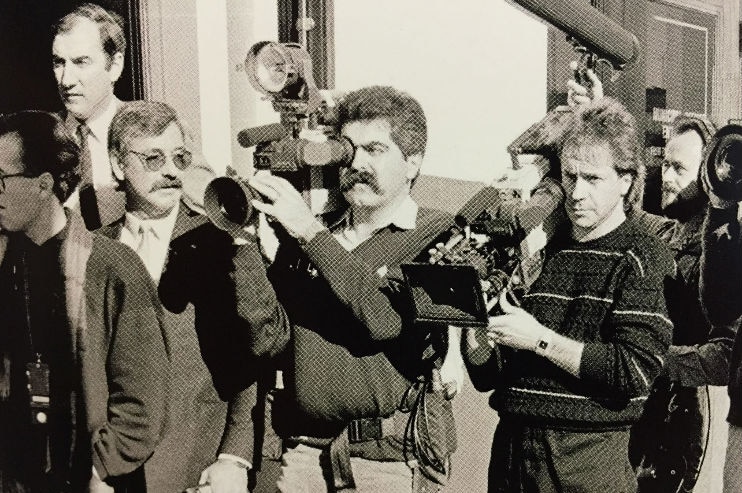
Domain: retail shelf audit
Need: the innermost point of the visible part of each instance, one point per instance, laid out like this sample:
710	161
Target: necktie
145	249
88	201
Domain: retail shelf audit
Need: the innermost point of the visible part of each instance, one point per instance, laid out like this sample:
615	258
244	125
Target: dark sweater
353	352
700	352
607	293
721	272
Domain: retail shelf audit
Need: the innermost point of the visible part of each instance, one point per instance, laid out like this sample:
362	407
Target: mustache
351	177
670	189
166	183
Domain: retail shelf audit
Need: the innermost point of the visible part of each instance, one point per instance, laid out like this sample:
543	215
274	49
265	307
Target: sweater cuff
592	366
235	458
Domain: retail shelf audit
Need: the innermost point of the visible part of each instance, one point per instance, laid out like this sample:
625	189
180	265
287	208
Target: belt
338	448
366	429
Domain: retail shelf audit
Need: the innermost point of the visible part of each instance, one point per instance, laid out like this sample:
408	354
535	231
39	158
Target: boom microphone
592	29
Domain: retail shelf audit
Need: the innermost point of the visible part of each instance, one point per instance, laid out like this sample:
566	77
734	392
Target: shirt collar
98	125
404	217
161	227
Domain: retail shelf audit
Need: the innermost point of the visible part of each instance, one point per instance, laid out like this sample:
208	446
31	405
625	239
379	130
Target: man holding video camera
671	438
81	323
572	367
721	271
353	355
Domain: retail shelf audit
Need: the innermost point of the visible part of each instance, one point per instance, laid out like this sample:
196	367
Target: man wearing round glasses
149	156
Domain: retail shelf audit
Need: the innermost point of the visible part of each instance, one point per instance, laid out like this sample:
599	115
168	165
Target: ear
117	66
625	180
46	183
116	166
413	166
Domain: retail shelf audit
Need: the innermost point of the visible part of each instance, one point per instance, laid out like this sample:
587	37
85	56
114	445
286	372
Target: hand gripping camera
495	245
302	147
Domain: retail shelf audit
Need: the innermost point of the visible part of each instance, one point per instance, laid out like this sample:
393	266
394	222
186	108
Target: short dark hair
140	119
48	147
404	114
606	121
110	27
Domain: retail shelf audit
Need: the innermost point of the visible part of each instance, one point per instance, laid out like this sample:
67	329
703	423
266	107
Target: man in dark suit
149	156
88	57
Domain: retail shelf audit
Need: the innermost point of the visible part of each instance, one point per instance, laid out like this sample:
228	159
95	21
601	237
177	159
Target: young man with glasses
87	389
149	156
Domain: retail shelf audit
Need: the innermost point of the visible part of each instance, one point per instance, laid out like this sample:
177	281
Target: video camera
496	244
302	147
721	169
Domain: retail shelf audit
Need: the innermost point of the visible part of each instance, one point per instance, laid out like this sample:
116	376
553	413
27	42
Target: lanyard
27	304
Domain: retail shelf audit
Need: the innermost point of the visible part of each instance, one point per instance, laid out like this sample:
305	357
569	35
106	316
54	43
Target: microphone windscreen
593	29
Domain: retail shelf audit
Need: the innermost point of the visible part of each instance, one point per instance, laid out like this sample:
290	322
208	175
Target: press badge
37	377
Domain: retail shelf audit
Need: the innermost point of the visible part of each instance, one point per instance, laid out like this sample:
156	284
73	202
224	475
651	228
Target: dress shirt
98	142
162	228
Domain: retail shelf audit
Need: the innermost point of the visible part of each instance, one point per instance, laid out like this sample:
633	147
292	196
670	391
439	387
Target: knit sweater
608	294
353	352
721	271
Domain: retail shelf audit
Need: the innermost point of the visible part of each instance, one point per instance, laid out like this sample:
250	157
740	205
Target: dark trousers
530	459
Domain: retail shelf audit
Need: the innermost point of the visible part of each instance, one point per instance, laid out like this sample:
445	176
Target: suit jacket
119	348
211	351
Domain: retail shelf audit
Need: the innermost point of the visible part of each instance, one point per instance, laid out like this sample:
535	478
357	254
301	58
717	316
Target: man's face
683	155
84	77
594	190
379	174
151	193
19	196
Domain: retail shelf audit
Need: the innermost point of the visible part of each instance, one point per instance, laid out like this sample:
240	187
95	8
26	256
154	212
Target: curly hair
409	129
48	147
607	122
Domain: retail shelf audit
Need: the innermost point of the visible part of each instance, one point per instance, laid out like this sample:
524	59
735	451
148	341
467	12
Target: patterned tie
88	201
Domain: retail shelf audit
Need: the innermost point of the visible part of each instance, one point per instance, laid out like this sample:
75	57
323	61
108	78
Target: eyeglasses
13	175
156	159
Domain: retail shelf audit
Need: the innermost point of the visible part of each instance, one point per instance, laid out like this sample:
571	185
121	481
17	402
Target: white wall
478	68
194	51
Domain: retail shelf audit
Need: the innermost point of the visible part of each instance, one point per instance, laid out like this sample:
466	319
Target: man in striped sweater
573	366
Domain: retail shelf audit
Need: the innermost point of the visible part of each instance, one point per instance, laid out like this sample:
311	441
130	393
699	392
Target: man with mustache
354	351
573	366
88	58
210	349
664	442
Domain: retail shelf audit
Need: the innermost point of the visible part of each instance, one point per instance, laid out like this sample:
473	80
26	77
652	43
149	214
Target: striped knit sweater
607	293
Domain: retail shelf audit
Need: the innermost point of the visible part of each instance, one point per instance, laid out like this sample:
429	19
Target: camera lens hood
722	165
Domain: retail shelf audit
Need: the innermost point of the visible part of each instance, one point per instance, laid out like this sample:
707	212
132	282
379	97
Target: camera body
303	147
495	245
